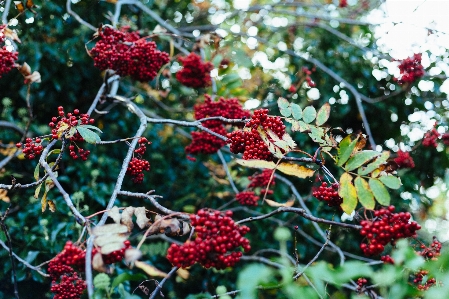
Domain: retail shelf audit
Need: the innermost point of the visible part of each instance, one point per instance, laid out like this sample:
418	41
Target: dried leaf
35	77
51	206
98	263
273	203
142	220
256	163
4	195
171	227
24	69
103	240
296	170
19	6
29	4
37	191
127	217
111	247
12	34
150	270
290	142
360	144
44	201
114	214
109	229
132	255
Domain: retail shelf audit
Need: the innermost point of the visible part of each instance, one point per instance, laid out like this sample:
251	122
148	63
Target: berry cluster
195	73
328	194
216	237
404	160
60	267
205	143
249	142
128	54
361	283
411	69
32	148
308	72
430	138
387	227
7	58
63	123
432	251
387	259
247	198
135	169
419	279
262	180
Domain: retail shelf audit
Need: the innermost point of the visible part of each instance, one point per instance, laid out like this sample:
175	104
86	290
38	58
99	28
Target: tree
131	168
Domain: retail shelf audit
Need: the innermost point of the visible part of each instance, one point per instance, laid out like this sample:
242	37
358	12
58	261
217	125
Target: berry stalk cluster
249	142
195	73
217	236
404	160
7	58
387	227
63	123
205	143
328	194
138	165
411	69
128	54
258	183
32	147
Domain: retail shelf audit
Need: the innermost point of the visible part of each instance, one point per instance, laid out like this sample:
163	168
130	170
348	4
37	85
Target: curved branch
10	125
68	6
6	12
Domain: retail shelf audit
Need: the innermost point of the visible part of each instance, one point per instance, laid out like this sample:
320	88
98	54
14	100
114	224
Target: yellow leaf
62	128
150	270
273	203
183	273
256	163
348	192
51	206
296	170
4	195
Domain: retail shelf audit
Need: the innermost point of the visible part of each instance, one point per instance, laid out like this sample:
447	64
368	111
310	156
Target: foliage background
54	45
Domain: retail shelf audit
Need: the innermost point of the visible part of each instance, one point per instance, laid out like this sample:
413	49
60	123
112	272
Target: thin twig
314	258
228	173
160	285
8	239
68	6
6	12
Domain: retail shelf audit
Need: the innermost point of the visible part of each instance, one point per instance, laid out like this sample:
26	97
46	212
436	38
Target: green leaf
364	193
309	114
323	114
296	111
345	150
217	60
36	172
127	277
348	193
303	126
283	103
380	192
252	276
290	142
230	78
359	159
317	134
102	281
88	135
375	164
286	112
391	181
90	127
351	270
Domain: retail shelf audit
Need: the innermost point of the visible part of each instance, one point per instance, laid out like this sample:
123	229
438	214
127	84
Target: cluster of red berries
411	69
195	73
328	194
361	283
430	138
387	259
128	54
419	278
247	198
432	251
137	165
308	72
205	143
217	236
60	267
7	58
249	142
387	227
65	122
262	179
32	148
404	160
343	3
